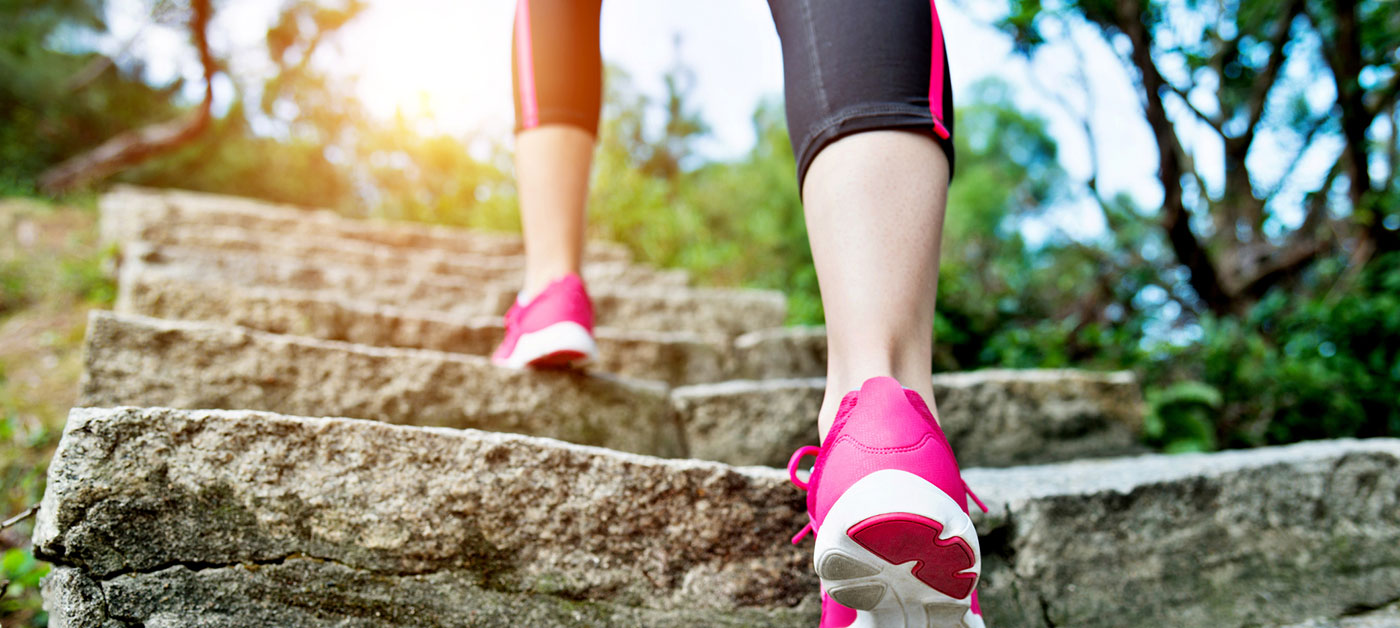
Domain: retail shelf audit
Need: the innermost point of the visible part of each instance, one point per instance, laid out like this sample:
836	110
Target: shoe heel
559	345
897	548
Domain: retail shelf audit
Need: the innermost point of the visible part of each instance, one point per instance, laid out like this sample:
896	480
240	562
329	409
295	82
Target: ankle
537	280
838	385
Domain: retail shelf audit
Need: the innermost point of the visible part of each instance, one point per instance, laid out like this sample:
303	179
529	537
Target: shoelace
812	450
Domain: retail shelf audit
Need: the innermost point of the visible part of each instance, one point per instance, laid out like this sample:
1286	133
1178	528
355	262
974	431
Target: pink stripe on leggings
935	74
524	53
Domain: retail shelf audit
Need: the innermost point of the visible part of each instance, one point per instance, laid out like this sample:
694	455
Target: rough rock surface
1238	538
785	352
311	593
353	515
1008	416
134	213
134	360
225	505
508	270
992	417
709	311
672	357
138	361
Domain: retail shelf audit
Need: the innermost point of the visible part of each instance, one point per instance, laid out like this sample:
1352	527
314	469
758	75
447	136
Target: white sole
565	339
887	593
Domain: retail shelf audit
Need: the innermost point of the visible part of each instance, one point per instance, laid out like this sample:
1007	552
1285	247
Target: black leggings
848	65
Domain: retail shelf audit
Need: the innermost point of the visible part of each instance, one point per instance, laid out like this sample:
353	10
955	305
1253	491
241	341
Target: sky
452	58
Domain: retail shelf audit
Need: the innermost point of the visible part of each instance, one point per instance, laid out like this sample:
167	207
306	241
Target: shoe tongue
877	393
881	393
569	280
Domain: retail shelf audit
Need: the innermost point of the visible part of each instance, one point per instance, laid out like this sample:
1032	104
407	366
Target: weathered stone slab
671	357
708	311
162	509
992	417
675	357
781	352
506	270
1240	538
172	512
139	361
312	593
133	213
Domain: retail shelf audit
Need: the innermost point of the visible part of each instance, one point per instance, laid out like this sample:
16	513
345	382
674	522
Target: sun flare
441	63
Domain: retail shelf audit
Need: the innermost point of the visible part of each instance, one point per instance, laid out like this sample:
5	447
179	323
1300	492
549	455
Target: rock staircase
289	421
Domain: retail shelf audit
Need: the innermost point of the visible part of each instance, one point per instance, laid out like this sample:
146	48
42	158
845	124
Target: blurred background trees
1259	304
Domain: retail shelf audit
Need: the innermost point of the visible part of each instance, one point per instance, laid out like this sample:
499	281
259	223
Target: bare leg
874	208
551	169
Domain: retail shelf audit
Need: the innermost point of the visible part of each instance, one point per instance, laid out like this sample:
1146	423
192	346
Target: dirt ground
52	272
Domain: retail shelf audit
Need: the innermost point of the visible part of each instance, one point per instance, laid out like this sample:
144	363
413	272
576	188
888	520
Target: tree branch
1284	266
1385	97
1345	63
1259	95
1308	136
133	147
1176	221
1212	122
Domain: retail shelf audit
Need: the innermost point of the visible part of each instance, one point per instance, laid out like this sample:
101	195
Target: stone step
506	270
781	352
260	519
706	311
139	361
673	357
134	213
991	417
161	517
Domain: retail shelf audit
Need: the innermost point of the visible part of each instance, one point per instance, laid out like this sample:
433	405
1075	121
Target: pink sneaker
835	615
553	330
894	541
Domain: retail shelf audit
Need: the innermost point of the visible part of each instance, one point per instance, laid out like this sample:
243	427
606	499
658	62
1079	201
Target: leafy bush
1181	417
1301	368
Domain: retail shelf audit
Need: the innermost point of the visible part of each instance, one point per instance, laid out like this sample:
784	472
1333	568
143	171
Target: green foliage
45	115
1323	367
15	289
19	567
729	223
1181	417
91	278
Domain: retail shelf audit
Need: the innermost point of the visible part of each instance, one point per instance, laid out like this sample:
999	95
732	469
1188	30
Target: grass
52	271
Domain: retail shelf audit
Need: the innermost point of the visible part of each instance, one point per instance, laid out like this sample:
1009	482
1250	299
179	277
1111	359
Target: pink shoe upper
564	299
881	426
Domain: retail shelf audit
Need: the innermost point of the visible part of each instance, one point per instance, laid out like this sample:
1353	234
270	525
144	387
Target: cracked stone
1189	540
138	361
